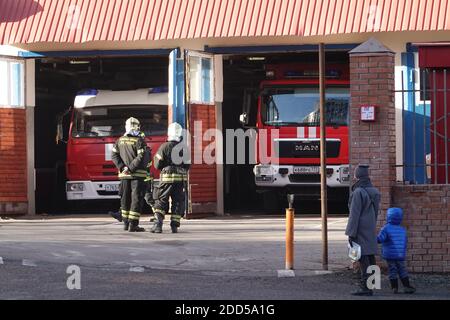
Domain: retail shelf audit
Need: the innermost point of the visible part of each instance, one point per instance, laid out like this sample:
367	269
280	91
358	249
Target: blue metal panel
177	88
416	124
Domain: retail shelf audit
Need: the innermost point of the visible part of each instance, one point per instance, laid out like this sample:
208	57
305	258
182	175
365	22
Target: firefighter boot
116	215
158	223
174	226
126	224
157	227
394	285
134	226
407	287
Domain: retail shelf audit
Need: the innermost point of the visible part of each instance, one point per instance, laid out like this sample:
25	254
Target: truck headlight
75	187
264	174
263	171
344	174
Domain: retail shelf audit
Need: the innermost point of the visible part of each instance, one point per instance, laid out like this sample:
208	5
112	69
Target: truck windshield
109	121
283	106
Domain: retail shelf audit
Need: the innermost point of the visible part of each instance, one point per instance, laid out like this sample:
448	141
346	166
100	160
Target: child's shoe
394	285
409	289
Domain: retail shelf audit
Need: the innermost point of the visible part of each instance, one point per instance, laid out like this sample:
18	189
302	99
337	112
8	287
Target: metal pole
403	127
424	94
290	213
414	140
323	157
435	123
445	126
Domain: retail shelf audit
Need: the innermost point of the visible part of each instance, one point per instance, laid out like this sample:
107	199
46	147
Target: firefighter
131	155
148	196
171	184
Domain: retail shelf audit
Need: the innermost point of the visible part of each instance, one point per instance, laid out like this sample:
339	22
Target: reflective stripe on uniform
125	214
134	215
140	151
134	175
172	177
115	150
158	156
155	210
175	218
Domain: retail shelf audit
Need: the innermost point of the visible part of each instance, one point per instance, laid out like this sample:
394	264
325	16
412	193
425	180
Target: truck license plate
112	187
306	170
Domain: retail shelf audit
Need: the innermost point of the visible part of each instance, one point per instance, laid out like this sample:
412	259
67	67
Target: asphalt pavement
231	258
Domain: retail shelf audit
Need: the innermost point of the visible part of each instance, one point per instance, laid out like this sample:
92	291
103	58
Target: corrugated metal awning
78	21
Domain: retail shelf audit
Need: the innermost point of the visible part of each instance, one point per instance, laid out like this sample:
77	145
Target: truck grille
107	193
307	148
304	178
109	170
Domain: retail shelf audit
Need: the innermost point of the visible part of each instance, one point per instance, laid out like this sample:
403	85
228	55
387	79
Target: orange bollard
290	238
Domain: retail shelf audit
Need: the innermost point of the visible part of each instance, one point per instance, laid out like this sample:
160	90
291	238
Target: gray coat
364	205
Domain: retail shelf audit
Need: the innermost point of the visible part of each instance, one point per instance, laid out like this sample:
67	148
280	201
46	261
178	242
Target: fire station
231	64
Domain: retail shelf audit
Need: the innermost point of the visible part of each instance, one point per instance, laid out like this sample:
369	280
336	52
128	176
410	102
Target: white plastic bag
354	252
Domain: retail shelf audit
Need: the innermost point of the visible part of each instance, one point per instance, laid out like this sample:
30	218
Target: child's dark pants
397	268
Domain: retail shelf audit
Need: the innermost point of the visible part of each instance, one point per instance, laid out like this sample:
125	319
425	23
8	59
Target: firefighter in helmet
148	187
131	155
172	180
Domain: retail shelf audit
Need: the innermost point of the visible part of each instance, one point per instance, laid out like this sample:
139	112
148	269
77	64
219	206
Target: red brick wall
13	161
427	210
203	177
372	82
427	220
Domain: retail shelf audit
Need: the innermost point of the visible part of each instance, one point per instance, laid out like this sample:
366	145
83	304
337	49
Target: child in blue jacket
394	241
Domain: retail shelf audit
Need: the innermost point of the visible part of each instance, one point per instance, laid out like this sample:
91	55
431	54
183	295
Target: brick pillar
13	161
372	82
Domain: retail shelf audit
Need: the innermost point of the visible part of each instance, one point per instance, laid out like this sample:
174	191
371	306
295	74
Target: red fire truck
98	120
288	102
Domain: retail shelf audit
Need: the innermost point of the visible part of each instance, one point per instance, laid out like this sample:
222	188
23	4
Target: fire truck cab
288	111
98	120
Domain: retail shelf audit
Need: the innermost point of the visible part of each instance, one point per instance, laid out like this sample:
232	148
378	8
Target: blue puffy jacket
393	236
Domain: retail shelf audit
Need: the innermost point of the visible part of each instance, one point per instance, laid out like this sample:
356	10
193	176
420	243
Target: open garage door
279	91
201	116
109	90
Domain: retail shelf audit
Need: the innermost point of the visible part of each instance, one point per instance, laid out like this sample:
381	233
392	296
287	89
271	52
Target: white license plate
306	170
112	187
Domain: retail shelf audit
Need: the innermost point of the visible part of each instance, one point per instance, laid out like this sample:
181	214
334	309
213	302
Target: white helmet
174	132
132	124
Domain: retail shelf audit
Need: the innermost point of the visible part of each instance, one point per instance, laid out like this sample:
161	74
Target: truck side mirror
249	108
60	131
243	118
60	126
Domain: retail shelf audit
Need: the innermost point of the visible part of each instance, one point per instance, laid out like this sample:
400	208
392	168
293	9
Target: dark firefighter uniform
131	155
148	186
171	185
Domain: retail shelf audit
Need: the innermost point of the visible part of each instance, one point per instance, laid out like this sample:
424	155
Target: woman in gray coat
364	204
